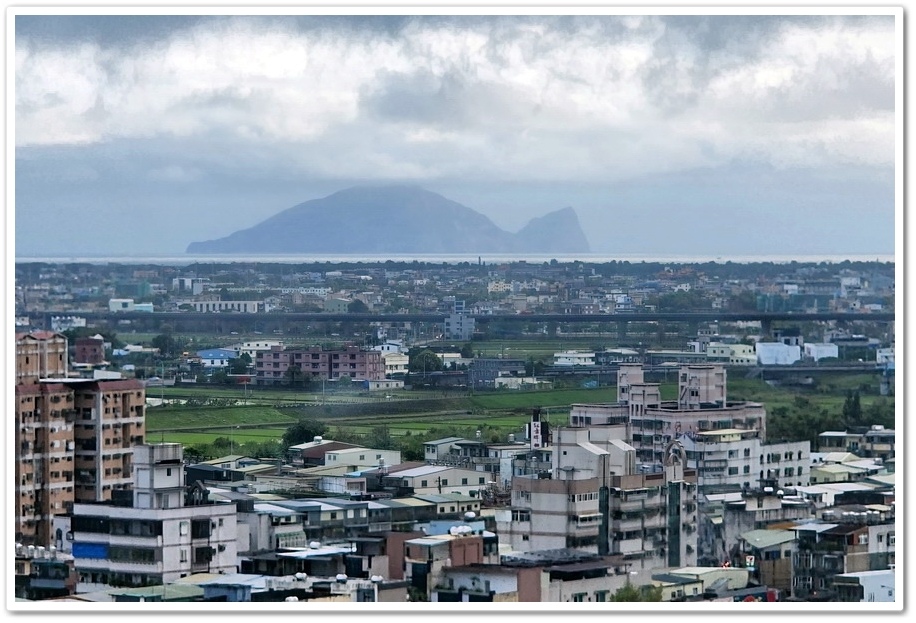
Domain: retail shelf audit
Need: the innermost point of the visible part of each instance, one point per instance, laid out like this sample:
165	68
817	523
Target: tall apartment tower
74	437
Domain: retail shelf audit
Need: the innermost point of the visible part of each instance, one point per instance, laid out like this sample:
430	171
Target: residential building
89	350
41	355
865	586
597	500
317	364
74	443
43	573
164	532
216	358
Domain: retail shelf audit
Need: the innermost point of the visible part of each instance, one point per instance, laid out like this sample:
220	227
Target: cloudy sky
712	135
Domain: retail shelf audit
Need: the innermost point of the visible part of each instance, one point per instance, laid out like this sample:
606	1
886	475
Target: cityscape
506	432
327	310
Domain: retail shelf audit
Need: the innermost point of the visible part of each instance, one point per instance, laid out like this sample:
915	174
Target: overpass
228	321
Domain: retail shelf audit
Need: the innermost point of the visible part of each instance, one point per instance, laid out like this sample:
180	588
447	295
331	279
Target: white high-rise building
166	533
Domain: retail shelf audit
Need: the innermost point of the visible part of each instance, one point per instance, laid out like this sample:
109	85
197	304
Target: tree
356	306
306	429
467	351
637	593
166	344
424	361
294	375
852	409
240	365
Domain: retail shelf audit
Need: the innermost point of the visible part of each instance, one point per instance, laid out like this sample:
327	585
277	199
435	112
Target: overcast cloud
179	129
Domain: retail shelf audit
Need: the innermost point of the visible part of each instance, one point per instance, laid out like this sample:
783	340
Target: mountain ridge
395	219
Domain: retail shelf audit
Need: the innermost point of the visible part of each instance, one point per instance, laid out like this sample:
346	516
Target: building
164	534
458	325
866	586
816	352
89	350
598	500
43	573
702	405
217	305
316	364
573	358
74	443
777	353
396	364
41	355
216	358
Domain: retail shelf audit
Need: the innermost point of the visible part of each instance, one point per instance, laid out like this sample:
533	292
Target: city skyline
704	134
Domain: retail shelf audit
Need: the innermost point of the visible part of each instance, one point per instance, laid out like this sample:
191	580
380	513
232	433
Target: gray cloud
574	101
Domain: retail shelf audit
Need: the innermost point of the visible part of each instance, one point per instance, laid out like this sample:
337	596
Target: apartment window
578	597
481	480
747	469
464	481
424	483
184	555
601	596
183	528
732	471
168	471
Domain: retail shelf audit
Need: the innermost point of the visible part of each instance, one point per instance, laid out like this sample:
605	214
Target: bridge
227	321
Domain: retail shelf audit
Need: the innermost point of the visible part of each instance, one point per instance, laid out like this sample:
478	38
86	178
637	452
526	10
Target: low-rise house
768	556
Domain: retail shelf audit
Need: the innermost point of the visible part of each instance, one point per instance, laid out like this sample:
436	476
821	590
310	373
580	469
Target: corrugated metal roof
767	538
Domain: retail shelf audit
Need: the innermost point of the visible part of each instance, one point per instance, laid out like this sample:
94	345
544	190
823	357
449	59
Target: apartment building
158	534
735	460
317	364
41	355
597	499
74	443
701	405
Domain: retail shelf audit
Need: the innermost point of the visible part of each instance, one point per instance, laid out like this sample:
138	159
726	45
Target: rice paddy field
201	415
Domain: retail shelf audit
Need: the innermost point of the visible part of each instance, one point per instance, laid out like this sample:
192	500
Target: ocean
451	258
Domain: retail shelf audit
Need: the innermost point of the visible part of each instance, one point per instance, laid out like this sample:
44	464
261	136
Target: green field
267	413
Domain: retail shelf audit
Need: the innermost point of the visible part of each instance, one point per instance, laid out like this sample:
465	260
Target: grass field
265	418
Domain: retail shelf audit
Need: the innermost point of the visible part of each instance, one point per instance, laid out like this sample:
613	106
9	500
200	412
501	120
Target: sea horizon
453	258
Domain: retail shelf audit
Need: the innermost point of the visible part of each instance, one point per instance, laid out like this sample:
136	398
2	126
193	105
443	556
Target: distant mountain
396	219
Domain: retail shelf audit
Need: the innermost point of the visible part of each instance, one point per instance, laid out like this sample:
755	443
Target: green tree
306	429
852	409
424	361
356	306
294	375
467	351
637	593
240	365
167	345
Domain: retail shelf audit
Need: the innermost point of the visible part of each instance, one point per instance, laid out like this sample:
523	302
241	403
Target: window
464	481
747	469
183	528
168	471
184	555
424	483
732	471
578	597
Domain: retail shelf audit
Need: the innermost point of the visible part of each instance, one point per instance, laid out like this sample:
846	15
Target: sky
692	134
